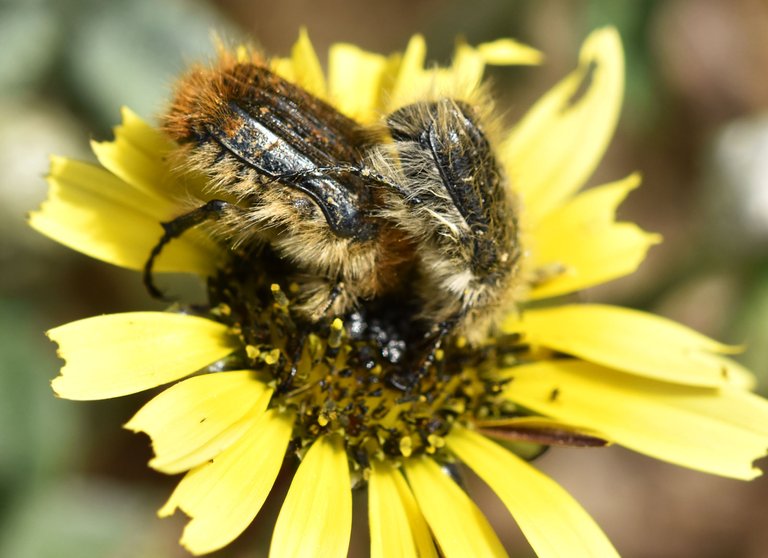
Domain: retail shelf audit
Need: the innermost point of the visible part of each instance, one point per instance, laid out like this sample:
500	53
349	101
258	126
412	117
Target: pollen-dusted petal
584	243
552	521
557	145
355	80
117	354
194	420
396	524
459	527
307	71
92	211
631	341
223	496
719	431
508	52
316	517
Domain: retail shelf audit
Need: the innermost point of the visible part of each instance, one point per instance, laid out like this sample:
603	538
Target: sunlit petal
223	496
552	521
410	73
308	73
555	148
632	341
397	527
466	70
355	80
316	517
508	52
117	354
92	211
458	525
194	420
137	155
719	431
584	245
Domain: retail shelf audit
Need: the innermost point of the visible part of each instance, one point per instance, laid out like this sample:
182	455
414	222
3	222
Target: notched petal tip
118	354
581	244
632	341
571	125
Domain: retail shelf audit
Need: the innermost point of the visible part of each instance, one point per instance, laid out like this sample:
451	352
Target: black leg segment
174	229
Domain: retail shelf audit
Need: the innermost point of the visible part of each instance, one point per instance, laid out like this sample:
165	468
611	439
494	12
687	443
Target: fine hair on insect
284	169
458	211
418	204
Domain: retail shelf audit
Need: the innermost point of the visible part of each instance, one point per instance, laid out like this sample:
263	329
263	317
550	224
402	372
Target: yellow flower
586	371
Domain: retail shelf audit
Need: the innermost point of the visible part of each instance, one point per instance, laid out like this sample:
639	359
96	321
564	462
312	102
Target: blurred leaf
87	518
37	431
752	326
127	53
30	32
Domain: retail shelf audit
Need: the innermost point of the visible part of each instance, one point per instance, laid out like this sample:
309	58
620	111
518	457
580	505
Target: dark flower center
346	374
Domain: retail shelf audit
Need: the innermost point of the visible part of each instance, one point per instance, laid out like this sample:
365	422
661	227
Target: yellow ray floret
581	245
356	80
718	431
632	341
555	525
554	149
397	527
117	354
194	420
459	527
316	517
223	496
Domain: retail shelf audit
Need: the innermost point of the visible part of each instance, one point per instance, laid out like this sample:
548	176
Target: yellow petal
396	524
466	71
584	240
558	144
223	496
117	354
283	67
459	527
632	341
316	517
91	211
137	155
141	134
718	431
468	66
355	80
409	78
425	544
552	521
508	52
145	165
194	420
307	71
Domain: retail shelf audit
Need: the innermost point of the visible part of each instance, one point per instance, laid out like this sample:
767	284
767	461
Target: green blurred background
695	122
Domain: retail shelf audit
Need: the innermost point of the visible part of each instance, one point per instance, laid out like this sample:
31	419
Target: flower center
346	375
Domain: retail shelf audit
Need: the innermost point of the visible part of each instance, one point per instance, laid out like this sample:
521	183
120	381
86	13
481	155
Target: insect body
458	210
349	211
288	169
